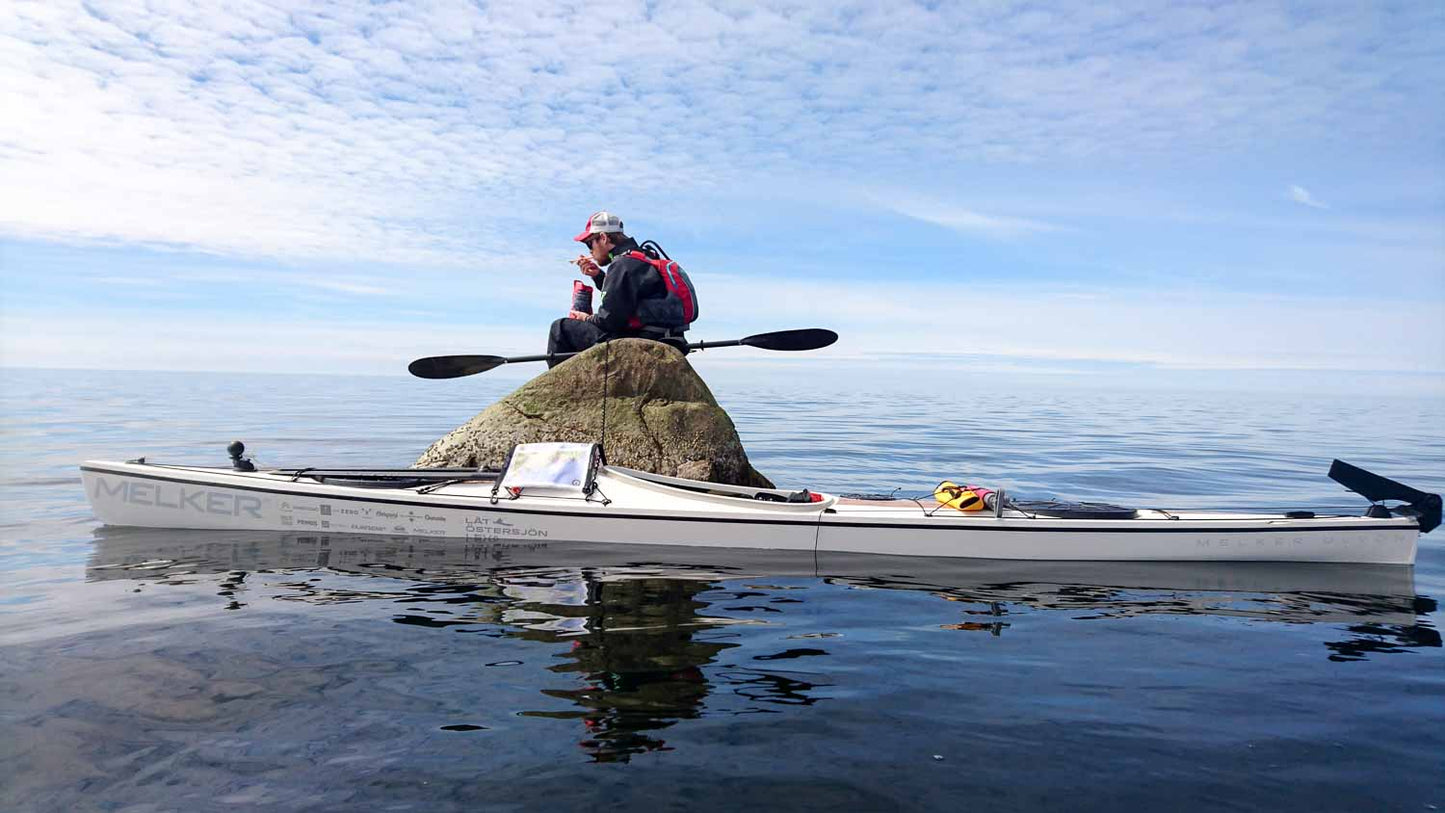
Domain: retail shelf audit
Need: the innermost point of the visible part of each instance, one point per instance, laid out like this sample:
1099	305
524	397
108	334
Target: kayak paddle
458	366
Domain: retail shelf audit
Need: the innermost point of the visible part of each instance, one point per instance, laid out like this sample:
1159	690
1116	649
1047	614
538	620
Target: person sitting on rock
637	301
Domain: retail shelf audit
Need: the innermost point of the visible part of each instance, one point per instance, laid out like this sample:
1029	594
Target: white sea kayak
547	495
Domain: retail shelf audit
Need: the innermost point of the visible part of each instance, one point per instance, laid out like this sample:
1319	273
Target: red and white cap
603	222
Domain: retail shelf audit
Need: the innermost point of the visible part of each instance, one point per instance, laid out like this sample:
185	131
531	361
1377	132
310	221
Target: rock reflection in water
637	659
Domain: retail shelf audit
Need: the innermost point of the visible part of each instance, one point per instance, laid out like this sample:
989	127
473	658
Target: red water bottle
581	296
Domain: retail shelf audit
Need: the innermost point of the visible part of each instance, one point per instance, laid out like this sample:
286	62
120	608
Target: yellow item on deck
956	496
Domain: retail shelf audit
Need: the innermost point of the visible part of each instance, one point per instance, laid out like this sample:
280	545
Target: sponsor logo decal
178	497
488	529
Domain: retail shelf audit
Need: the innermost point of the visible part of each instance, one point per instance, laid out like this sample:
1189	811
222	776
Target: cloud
190	343
430	132
407	164
880	320
972	222
346	287
1162	326
1299	194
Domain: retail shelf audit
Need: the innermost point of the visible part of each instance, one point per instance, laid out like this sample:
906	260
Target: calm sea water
147	670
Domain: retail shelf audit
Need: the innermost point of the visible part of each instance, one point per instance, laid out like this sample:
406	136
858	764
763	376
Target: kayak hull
1218	540
634	508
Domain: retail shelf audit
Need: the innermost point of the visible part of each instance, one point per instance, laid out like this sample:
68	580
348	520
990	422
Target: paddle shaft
550	356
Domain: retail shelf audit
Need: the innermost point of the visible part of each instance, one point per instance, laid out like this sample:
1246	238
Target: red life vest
678	285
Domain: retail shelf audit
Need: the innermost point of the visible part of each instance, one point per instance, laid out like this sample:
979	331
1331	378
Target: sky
1151	191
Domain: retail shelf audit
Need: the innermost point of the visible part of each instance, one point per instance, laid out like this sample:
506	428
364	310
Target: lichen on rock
661	417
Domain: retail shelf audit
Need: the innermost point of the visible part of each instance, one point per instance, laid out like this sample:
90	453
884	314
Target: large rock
661	417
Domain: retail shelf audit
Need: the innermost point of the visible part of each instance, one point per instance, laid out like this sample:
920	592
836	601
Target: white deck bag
556	468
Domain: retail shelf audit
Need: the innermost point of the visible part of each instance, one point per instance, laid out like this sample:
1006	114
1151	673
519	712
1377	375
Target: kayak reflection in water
639	651
644	294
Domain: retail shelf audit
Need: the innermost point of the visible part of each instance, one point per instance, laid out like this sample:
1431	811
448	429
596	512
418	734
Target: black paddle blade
1372	486
806	339
453	366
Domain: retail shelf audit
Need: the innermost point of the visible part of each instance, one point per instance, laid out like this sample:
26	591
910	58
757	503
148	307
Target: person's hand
587	265
578	315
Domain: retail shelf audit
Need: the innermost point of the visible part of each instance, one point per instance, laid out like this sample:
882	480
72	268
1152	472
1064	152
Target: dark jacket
631	287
